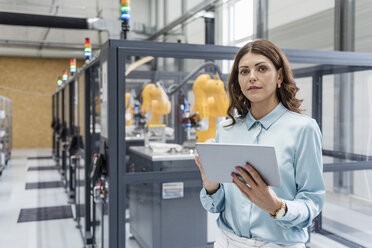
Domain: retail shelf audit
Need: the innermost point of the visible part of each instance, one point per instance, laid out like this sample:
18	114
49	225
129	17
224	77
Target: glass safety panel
60	106
67	108
347	119
165	115
170	104
80	104
79	160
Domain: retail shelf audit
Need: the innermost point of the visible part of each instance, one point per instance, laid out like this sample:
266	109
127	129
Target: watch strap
281	209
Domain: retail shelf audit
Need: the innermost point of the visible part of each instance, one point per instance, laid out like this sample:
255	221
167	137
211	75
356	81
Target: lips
254	88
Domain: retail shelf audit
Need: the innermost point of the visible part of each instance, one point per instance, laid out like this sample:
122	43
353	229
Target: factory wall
29	83
311	26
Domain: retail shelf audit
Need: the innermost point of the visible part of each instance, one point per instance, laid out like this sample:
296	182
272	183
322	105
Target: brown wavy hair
286	93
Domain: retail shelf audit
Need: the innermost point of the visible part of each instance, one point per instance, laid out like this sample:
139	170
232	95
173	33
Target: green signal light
125	8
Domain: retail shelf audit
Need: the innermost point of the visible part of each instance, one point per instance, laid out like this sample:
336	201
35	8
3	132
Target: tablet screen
220	159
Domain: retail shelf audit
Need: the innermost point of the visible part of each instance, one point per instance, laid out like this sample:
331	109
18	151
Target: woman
264	110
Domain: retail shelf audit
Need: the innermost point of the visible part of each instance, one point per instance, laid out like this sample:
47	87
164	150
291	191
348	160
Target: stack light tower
125	17
87	50
72	66
64	76
59	82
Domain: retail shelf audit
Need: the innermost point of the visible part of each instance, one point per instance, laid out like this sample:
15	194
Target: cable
25	92
173	88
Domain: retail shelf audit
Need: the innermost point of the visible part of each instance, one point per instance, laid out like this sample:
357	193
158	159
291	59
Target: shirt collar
268	119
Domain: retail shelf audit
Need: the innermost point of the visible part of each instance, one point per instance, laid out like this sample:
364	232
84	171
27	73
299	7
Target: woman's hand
257	192
210	187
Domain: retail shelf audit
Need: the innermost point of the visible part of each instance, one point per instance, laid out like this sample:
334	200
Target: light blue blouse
298	146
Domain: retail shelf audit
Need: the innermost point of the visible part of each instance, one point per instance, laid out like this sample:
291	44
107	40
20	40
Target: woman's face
258	78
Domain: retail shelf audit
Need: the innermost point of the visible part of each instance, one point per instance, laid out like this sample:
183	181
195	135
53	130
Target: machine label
173	190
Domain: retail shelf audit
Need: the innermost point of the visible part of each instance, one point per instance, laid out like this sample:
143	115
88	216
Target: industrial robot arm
128	109
211	103
156	102
218	108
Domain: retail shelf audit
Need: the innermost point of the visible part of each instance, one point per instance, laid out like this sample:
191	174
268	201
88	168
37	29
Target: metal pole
71	108
209	27
183	26
63	138
344	91
54	122
262	19
317	107
72	132
87	159
317	103
165	19
58	125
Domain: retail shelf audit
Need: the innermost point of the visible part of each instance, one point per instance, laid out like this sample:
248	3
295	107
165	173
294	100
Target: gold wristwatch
280	212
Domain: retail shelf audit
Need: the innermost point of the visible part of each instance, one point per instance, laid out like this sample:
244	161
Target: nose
252	76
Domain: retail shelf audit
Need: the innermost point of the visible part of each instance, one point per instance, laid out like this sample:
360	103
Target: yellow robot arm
218	106
201	102
216	89
147	98
211	102
156	102
163	101
160	105
201	106
128	110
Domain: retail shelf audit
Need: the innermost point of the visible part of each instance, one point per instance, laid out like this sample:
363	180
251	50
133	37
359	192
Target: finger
237	175
243	185
197	160
198	163
246	176
254	174
243	188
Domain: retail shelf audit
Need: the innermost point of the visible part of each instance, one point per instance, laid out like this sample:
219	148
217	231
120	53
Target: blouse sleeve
308	164
214	203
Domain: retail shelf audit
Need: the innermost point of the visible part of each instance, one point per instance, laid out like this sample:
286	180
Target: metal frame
339	62
10	134
53	125
317	73
115	52
63	138
85	150
57	146
130	48
71	131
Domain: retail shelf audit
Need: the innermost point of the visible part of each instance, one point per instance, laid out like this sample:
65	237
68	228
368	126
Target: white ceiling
26	39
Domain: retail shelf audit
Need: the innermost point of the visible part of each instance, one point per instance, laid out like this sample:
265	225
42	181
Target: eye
262	68
244	72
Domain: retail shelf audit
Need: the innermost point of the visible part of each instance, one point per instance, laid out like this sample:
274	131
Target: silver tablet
219	160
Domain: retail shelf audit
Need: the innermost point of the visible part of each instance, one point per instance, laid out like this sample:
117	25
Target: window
237	22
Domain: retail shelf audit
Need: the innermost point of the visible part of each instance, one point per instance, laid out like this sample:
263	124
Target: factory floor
14	197
18	204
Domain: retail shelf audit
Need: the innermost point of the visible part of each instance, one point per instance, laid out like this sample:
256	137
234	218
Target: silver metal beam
344	32
183	26
261	19
344	92
45	44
